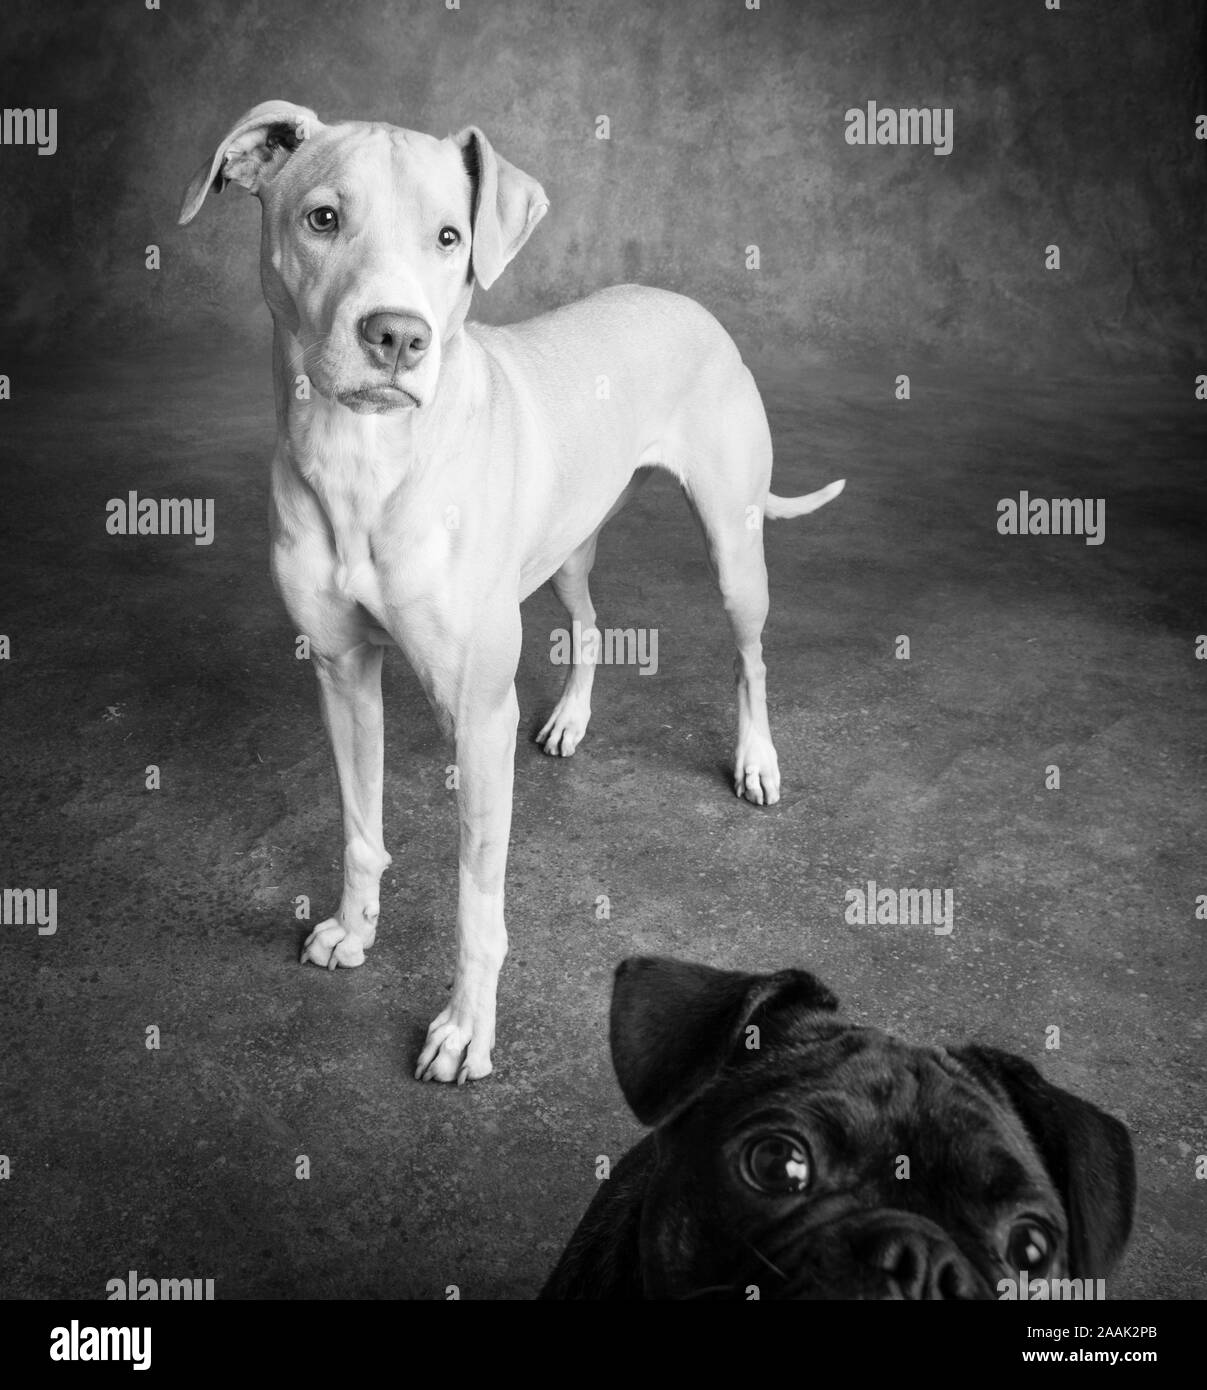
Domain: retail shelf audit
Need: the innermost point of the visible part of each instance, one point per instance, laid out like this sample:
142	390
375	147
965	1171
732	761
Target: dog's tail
780	508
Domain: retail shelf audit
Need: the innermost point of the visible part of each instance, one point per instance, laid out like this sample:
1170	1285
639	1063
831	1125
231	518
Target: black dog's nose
394	339
922	1266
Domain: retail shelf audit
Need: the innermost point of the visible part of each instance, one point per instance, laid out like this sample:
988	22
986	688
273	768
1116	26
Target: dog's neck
335	449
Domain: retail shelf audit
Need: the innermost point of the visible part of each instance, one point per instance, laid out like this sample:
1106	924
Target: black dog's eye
1030	1248
448	237
322	220
776	1163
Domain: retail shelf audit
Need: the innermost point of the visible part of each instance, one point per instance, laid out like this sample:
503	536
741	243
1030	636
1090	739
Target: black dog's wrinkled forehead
859	1090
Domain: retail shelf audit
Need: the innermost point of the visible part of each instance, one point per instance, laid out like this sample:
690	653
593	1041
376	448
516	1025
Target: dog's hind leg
726	479
565	727
742	576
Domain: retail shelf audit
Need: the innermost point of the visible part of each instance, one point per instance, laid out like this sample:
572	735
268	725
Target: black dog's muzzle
877	1256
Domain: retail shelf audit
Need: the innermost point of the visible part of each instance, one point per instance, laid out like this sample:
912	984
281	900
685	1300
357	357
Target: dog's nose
396	340
922	1266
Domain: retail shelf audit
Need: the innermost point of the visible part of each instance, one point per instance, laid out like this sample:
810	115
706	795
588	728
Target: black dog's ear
675	1024
1087	1153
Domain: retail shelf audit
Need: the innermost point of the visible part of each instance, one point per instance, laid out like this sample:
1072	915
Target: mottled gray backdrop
1074	128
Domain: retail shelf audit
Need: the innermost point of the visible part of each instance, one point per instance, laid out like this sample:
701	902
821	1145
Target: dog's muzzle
885	1259
378	400
396	340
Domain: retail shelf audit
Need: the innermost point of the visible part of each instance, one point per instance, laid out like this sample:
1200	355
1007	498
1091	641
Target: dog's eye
777	1163
448	237
322	220
1030	1248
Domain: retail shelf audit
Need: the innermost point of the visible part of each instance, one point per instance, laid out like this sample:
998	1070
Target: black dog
800	1156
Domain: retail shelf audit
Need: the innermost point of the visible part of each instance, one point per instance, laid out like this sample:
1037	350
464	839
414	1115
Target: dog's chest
356	469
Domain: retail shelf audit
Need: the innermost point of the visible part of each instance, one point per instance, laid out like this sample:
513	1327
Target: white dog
440	471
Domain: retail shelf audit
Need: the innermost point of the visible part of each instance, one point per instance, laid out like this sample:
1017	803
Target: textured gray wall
1073	127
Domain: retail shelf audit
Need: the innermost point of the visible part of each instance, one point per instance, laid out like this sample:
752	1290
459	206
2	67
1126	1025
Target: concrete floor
1074	908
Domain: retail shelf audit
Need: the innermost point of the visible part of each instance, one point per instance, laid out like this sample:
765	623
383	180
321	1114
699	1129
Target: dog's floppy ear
675	1024
1087	1153
507	205
251	152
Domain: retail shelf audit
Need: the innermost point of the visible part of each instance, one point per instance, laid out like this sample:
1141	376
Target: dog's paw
331	944
565	727
756	773
454	1051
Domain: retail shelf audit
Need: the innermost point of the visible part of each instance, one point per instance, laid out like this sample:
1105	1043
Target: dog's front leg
350	687
484	723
